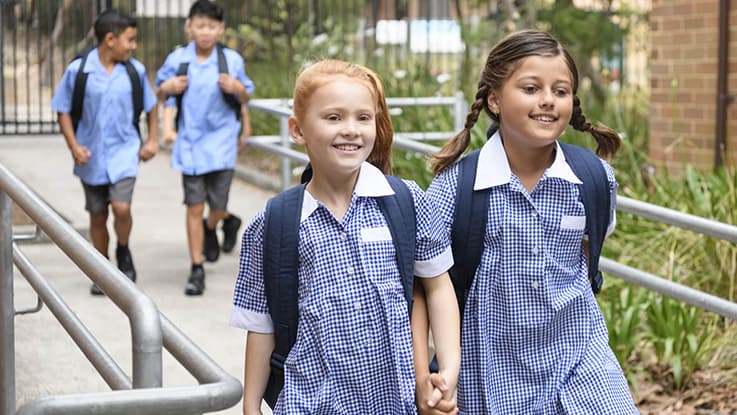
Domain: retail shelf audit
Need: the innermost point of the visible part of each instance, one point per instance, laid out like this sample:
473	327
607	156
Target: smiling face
338	127
205	31
535	102
123	44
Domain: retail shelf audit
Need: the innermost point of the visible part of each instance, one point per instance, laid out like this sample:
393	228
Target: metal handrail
141	311
151	330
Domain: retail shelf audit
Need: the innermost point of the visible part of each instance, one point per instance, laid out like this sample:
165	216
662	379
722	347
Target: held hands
81	154
435	396
229	84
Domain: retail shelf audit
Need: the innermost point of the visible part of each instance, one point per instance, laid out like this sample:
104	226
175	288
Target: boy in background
206	143
103	138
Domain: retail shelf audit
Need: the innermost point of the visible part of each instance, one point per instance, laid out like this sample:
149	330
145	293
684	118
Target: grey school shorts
213	187
98	197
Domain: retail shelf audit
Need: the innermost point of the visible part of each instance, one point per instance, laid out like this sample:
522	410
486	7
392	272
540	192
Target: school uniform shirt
353	353
207	134
106	127
534	340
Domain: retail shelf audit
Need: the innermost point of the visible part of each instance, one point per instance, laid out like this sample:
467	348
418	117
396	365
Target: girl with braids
534	340
353	351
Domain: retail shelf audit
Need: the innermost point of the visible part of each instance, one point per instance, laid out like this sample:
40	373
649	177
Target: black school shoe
231	224
210	245
125	262
196	281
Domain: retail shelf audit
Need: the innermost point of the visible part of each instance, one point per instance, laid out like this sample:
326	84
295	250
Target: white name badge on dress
381	233
573	222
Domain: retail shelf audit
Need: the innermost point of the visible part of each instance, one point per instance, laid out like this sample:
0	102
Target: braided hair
502	61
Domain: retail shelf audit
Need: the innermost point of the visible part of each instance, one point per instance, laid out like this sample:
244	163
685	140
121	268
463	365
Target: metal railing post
7	309
286	165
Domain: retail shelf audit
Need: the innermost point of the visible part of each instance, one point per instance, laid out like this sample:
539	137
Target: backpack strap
181	71
469	228
594	193
399	212
281	264
137	92
80	84
230	99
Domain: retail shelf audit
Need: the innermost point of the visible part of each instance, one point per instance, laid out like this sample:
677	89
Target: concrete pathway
47	360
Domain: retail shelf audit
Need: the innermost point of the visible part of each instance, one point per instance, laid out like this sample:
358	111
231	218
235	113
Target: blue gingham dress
353	353
533	340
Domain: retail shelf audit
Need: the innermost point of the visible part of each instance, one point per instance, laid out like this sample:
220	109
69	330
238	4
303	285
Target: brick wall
684	36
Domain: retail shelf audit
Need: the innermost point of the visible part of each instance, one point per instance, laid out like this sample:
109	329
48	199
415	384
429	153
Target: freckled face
338	127
535	103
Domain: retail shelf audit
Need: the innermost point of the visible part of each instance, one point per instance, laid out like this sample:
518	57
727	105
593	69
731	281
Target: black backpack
230	99
281	263
472	207
80	84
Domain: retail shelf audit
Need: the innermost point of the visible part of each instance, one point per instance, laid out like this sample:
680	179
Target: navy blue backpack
472	207
281	263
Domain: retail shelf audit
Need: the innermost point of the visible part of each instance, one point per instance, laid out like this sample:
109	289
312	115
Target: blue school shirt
534	340
207	134
353	353
106	127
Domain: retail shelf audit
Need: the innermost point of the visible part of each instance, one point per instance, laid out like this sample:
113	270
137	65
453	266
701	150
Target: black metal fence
40	37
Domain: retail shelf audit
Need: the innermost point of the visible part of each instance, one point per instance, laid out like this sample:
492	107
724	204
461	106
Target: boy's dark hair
112	21
206	8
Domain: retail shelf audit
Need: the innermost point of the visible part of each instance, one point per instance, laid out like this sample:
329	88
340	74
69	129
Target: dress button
350	270
343	236
534	213
357	305
535	251
535	285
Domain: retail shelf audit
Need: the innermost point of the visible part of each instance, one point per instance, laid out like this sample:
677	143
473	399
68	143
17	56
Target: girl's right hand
434	397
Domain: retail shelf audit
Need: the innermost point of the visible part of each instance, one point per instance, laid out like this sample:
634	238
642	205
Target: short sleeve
442	192
250	311
236	62
62	99
168	70
149	99
433	255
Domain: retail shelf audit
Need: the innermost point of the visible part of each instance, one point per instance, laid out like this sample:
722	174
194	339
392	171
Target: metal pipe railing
113	375
141	311
217	390
671	289
679	219
7	309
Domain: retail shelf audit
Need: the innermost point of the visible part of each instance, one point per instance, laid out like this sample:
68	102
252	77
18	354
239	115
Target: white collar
493	165
371	183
